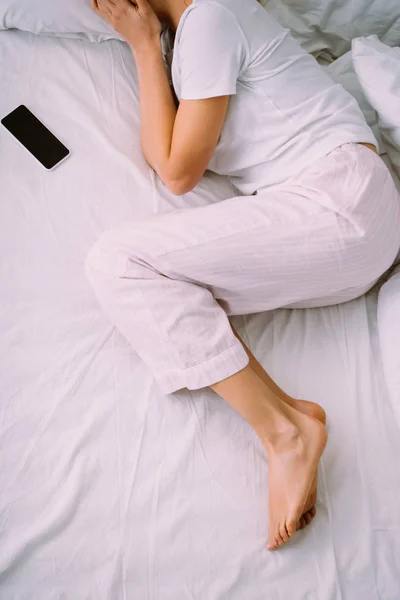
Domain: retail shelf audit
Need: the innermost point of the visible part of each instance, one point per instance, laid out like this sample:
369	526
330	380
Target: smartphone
35	137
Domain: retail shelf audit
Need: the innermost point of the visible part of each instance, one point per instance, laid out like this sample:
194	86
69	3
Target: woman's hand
136	22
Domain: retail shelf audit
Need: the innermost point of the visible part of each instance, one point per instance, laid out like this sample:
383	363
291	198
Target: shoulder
206	16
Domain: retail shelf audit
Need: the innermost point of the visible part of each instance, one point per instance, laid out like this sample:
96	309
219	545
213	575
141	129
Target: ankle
278	436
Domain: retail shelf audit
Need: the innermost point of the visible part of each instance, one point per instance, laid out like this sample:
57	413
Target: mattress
111	490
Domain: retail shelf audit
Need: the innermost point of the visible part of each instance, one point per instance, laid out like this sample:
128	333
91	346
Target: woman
318	221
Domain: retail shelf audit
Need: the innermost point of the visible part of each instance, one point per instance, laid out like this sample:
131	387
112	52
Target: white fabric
378	69
342	72
330	25
109	489
323	237
389	335
61	18
285	113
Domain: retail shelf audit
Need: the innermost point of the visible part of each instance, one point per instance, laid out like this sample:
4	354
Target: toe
302	522
307	518
276	541
291	527
284	534
272	544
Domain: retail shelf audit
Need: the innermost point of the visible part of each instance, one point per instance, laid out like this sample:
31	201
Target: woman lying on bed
317	221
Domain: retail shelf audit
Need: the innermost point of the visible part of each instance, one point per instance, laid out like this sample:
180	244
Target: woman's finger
124	3
108	4
104	9
94	6
141	4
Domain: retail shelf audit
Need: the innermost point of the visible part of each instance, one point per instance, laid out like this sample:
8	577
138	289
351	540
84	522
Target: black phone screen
35	137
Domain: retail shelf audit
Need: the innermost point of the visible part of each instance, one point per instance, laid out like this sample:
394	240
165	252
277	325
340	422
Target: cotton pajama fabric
170	282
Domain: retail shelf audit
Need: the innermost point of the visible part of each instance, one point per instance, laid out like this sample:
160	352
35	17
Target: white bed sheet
110	490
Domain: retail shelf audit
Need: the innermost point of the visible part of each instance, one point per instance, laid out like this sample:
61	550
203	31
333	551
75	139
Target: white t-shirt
284	112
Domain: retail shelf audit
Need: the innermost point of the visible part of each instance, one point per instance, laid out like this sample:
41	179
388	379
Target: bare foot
312	409
293	461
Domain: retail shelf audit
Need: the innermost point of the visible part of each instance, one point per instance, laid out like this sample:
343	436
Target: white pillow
389	334
331	25
61	18
378	70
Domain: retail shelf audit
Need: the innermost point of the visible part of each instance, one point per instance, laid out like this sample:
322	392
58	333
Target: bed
109	489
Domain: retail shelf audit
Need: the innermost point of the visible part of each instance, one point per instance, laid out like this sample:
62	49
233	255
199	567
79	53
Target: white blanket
109	490
331	25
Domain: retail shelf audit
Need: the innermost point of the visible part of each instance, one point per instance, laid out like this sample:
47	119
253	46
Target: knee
106	258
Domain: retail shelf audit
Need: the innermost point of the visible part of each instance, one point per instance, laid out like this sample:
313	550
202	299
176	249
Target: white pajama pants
170	282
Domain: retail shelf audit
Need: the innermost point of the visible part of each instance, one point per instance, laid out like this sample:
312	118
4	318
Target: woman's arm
178	144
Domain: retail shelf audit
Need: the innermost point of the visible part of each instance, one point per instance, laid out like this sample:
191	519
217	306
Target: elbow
179	187
179	181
